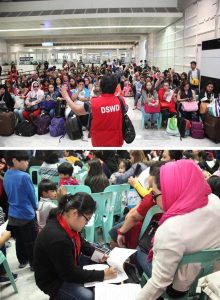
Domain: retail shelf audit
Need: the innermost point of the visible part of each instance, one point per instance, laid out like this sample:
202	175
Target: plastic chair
159	121
118	190
207	259
73	189
102	218
81	176
4	261
32	170
154	210
55	179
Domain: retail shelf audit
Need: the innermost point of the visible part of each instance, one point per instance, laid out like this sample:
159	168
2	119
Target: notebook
105	291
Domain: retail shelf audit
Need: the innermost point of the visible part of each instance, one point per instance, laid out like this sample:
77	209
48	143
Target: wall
180	43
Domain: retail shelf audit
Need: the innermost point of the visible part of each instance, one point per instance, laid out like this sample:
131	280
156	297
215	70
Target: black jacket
54	263
9	101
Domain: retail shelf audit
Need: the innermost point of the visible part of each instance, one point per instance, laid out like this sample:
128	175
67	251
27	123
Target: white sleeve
168	253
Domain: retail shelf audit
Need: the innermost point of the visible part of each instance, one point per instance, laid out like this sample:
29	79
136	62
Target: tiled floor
27	289
150	139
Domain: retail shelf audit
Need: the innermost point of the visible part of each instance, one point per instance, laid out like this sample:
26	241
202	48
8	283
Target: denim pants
143	265
76	291
150	117
19	114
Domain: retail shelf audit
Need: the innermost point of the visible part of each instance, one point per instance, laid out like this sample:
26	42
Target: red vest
106	128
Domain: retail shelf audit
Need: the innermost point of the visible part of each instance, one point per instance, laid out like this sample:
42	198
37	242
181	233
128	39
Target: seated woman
34	97
96	178
150	105
186	96
206	97
137	159
49	103
181	190
19	102
60	249
50	164
167	103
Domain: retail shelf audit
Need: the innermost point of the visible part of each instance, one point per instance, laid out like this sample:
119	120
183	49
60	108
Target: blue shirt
84	94
21	195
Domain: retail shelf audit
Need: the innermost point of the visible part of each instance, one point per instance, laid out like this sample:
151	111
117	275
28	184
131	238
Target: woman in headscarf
34	97
190	223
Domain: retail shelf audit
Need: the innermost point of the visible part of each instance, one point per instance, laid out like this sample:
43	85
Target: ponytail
82	202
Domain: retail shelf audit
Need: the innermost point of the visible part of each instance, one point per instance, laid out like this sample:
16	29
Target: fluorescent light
81	27
47	44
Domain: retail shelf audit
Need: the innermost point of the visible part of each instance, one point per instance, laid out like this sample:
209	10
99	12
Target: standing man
194	77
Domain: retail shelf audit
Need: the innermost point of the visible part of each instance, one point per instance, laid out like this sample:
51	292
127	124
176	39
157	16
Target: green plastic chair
81	176
154	210
55	179
4	261
118	190
102	218
159	121
32	170
207	259
73	189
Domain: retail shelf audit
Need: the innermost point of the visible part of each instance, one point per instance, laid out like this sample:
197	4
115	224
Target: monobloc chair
81	176
207	259
35	170
159	121
4	261
154	210
118	190
73	189
102	218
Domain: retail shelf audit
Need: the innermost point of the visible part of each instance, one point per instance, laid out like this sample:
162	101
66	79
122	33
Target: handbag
214	109
128	130
151	109
203	108
189	106
172	128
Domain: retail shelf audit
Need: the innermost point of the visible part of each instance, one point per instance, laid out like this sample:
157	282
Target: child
123	166
70	156
47	192
22	205
65	171
3	239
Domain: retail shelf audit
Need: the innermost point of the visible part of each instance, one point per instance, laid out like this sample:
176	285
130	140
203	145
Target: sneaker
5	279
22	265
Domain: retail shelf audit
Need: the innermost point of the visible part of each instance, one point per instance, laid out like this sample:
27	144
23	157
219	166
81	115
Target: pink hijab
183	188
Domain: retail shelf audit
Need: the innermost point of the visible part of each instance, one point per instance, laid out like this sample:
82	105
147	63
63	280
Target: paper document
116	259
3	228
128	291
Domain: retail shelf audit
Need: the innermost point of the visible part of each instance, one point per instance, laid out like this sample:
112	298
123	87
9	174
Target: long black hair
82	202
96	178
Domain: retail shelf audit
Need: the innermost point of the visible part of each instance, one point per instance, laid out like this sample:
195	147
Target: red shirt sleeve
145	205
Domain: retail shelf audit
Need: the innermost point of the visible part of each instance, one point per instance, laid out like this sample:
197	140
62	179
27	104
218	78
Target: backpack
57	127
48	105
43	122
183	127
25	128
73	128
197	130
60	108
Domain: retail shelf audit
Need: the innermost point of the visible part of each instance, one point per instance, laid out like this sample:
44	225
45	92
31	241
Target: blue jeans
18	113
142	263
150	117
74	291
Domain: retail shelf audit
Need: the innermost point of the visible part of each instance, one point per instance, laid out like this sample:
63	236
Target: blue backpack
57	127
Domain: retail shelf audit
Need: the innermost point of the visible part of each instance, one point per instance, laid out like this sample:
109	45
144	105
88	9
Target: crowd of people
48	231
91	92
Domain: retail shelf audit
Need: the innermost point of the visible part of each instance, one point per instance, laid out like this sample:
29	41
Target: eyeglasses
87	219
36	86
155	196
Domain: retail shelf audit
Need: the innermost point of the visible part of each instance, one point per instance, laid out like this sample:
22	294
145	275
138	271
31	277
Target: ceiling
27	26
